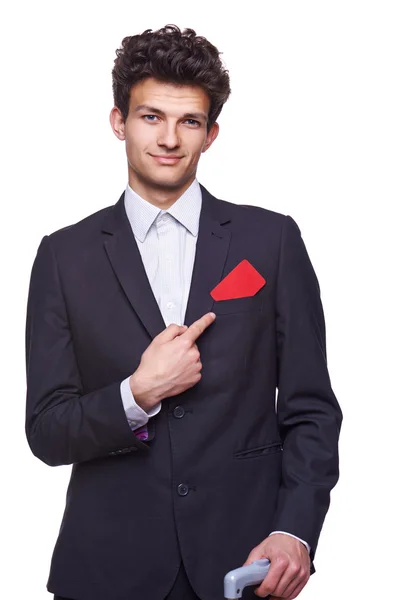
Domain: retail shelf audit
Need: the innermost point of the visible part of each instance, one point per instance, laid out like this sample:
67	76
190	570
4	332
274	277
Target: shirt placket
170	276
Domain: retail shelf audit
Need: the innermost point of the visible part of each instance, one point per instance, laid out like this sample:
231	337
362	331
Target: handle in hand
252	574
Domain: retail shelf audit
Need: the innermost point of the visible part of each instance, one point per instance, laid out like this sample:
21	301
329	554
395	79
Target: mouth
166	159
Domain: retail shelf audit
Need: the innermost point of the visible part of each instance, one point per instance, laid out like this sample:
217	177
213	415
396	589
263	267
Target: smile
166	160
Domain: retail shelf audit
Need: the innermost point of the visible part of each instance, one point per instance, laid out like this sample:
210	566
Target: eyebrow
157	111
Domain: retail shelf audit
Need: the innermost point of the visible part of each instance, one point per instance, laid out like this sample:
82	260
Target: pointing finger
198	327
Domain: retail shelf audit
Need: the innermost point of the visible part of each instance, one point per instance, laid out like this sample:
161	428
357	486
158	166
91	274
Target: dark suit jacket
224	470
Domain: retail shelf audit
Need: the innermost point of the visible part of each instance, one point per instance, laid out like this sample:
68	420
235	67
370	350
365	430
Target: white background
312	129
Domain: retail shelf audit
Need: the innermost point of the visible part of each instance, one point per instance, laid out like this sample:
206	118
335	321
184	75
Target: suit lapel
211	254
210	257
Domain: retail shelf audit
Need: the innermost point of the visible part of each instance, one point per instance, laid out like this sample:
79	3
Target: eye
150	118
193	122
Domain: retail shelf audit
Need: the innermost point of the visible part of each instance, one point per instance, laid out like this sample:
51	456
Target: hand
170	365
289	570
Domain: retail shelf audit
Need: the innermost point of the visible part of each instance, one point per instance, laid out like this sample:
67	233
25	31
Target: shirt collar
142	214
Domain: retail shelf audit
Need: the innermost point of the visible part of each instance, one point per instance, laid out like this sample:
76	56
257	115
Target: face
165	133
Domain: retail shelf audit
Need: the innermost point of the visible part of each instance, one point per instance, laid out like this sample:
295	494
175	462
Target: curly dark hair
174	56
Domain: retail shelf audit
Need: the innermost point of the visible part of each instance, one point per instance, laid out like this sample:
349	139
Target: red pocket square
244	280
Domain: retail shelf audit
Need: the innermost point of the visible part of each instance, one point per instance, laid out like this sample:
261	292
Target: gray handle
252	574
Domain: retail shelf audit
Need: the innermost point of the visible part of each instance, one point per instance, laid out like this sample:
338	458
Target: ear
211	136
117	123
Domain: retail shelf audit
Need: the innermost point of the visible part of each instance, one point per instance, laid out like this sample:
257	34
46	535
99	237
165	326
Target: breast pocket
237	305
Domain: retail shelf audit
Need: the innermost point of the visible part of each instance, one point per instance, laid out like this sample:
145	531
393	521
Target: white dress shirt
167	244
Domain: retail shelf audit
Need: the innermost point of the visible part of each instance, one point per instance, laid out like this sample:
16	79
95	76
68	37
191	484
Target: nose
168	136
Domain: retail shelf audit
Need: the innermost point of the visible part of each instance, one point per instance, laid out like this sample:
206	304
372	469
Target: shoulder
77	243
247	212
255	219
83	228
254	212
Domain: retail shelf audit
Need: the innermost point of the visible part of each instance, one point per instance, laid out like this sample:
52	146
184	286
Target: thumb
255	554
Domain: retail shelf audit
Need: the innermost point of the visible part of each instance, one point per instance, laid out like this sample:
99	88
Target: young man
158	330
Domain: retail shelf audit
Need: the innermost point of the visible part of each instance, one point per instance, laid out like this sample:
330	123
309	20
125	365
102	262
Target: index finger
197	328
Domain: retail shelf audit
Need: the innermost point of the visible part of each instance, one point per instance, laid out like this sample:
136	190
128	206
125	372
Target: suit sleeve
63	424
308	413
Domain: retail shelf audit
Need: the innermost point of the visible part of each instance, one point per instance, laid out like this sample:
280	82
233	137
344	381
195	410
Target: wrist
143	391
139	391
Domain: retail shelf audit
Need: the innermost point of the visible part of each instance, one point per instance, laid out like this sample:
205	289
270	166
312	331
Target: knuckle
295	568
196	332
186	343
282	561
305	574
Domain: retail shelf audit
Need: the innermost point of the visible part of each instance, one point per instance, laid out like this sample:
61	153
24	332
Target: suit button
183	489
179	411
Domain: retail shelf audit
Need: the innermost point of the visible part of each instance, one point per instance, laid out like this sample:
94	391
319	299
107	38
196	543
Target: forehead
169	97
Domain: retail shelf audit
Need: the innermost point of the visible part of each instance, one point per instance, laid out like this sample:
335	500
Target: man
158	331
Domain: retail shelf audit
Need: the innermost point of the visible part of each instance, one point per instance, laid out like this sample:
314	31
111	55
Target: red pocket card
244	280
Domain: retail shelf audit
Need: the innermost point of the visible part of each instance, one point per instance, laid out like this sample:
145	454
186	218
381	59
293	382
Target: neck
160	196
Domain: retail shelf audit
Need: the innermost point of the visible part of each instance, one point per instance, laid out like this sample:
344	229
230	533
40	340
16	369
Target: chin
169	183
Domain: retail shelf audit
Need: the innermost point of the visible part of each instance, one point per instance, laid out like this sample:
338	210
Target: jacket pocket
271	448
236	305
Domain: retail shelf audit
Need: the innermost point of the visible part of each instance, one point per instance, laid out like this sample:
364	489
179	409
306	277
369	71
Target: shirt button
179	411
183	489
170	304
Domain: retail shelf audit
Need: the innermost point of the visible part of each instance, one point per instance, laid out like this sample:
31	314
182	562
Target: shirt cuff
136	416
294	536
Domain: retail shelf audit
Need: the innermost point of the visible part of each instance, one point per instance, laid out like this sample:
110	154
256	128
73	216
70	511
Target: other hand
289	570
